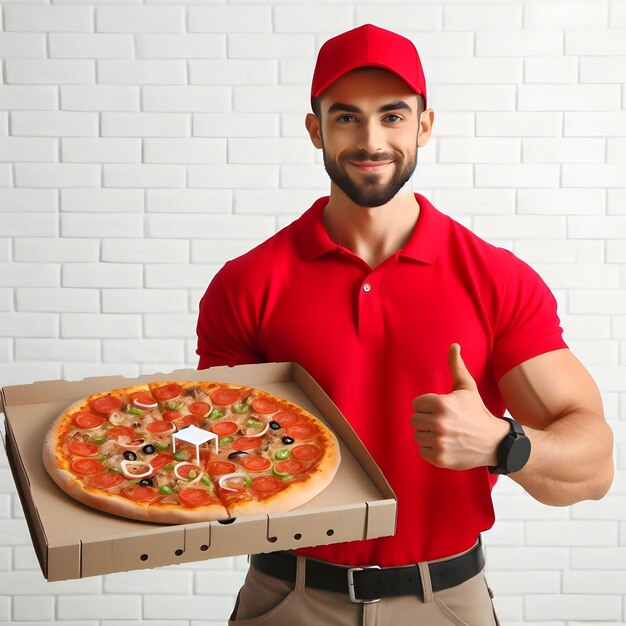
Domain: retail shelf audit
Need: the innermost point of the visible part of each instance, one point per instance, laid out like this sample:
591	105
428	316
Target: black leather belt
369	584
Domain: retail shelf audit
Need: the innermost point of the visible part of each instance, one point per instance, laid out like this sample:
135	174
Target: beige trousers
267	601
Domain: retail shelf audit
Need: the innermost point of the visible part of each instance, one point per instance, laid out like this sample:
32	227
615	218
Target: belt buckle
351	571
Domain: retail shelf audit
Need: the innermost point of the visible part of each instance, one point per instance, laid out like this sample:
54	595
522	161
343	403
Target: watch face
518	454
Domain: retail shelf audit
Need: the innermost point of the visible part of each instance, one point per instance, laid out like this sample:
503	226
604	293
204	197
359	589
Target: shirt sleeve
225	326
527	324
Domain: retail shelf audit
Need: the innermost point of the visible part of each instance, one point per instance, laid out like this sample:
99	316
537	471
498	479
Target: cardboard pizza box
74	541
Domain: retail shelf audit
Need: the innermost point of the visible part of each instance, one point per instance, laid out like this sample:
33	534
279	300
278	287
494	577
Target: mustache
362	156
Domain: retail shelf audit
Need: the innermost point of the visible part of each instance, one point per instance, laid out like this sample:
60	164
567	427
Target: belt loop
300	573
427	587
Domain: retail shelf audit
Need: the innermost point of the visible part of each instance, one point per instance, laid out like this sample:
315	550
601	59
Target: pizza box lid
74	541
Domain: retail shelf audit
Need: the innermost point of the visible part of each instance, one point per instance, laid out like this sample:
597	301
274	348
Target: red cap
363	46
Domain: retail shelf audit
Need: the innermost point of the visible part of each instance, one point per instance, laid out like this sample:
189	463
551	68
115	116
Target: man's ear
313	127
426	121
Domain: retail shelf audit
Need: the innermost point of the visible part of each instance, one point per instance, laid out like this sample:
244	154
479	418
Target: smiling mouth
370	166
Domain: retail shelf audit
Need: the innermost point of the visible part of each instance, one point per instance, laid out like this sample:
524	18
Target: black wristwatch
513	451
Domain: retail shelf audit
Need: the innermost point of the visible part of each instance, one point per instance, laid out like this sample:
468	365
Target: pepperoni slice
106	404
290	466
286	418
167	392
82	448
247	443
186	469
137	493
161	459
121	431
86	419
85	467
186	420
159	427
105	480
199	408
224	429
142	400
171	415
193	497
302	431
267	484
225	396
217	468
305	452
255	463
264	405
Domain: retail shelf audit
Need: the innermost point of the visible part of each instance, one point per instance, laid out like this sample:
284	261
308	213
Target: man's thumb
461	378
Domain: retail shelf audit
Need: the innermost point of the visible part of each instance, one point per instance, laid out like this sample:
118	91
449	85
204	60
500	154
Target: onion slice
226	477
126	465
255	434
189	481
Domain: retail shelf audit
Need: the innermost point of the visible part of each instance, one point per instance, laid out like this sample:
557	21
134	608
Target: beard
369	191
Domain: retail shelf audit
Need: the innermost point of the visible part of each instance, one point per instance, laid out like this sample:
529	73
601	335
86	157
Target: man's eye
344	118
397	118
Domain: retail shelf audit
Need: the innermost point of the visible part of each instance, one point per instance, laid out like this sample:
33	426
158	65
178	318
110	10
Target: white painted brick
144	175
566	14
13	532
609	508
595	124
165	367
479	150
280	201
563	150
288	19
527	508
98	607
141	350
296	71
411	20
232	176
99	97
518	124
29	275
26	373
28	149
571	533
616	201
606	69
613	558
519	43
540	227
78	371
186	606
299	176
54	123
144	125
252	150
619	327
29	349
187	98
270	46
183	46
6	350
472	97
56	175
144	251
616	151
101	200
133	19
590	582
600	41
281	98
227	19
455	124
482	16
528	557
170	581
218	251
5	250
184	150
57	299
505	534
142	72
101	275
101	225
473	70
168	622
236	125
25	558
475	201
48	18
183	275
100	325
524	582
609	378
212	583
6	299
50	72
5	557
587	606
29	325
559	201
517	175
189	200
569	97
579	276
199	226
233	72
90	45
595	352
26	97
170	325
586	327
33	608
440	175
100	150
22	45
609	227
144	300
617	15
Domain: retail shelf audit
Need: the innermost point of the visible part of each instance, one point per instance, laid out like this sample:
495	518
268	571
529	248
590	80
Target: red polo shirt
376	338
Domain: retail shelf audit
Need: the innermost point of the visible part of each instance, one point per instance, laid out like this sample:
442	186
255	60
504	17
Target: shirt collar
422	246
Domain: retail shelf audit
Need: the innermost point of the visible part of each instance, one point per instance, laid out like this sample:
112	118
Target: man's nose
370	137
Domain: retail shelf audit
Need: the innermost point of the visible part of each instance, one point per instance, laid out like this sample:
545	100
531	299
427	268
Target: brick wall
142	144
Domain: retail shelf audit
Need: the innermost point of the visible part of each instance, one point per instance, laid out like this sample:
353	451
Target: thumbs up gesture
456	430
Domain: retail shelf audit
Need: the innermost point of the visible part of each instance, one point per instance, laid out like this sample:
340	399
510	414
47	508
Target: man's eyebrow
391	106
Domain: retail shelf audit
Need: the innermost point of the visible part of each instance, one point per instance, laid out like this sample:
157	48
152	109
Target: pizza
124	452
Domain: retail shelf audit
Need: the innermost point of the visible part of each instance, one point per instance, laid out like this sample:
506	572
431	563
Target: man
375	292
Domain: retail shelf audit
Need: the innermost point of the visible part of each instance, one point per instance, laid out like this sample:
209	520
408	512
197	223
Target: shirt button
367	287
